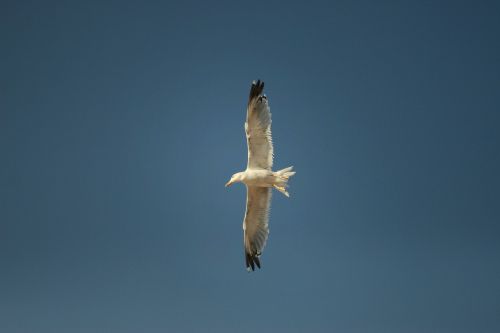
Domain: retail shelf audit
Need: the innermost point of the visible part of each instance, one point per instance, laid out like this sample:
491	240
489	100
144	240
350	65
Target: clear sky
120	123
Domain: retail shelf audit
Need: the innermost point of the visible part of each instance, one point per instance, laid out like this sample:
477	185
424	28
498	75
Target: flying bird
259	177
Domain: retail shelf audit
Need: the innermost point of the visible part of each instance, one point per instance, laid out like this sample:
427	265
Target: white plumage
259	177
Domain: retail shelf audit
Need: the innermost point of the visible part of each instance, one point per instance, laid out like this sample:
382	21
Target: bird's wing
255	225
258	129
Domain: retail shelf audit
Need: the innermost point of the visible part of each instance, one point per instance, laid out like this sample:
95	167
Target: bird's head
235	178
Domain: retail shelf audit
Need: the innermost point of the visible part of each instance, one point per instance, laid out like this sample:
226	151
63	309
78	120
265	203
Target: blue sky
120	123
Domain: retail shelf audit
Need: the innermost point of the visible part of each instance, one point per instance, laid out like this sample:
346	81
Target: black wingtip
252	261
256	89
257	261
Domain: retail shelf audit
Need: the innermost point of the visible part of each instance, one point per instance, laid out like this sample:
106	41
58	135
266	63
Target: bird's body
259	177
265	178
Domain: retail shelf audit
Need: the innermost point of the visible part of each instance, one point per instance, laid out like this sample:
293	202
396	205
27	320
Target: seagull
259	177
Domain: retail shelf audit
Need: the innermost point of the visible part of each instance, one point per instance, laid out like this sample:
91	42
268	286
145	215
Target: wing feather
258	129
255	224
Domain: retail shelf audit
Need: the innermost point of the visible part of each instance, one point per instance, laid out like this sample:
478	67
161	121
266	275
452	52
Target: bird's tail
282	177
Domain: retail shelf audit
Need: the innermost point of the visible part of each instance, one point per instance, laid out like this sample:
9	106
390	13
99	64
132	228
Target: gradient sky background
120	123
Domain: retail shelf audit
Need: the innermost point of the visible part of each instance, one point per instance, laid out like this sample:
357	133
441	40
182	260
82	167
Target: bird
259	177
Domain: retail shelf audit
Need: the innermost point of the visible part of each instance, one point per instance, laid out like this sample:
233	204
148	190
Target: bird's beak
229	183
